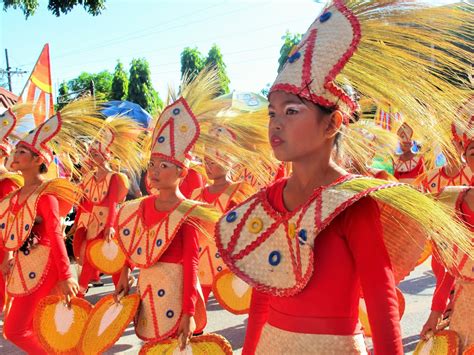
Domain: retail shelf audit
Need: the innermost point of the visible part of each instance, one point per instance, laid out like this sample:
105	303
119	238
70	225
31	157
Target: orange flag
39	90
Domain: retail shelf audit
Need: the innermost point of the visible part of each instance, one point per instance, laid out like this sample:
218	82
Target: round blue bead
161	139
26	252
324	17
231	217
218	255
176	111
161	293
170	314
274	258
12	237
294	57
32	275
126	231
159	242
3	226
139	250
219	268
303	236
27	226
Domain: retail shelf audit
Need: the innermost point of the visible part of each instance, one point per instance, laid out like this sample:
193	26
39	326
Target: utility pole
11	72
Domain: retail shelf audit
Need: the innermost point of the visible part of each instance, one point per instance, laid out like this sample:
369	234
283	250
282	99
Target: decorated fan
445	342
232	293
105	256
202	345
107	322
59	325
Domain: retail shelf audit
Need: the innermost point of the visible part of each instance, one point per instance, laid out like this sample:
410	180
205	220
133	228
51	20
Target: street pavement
417	289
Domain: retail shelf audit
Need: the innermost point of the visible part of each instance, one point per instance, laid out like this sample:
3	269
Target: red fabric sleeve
444	285
258	316
190	267
363	230
48	210
113	201
191	182
7	186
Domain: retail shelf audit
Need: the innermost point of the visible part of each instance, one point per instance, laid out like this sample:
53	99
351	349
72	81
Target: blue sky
248	33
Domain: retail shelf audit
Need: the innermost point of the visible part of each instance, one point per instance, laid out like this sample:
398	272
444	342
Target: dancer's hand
431	325
123	285
69	287
6	265
109	233
187	326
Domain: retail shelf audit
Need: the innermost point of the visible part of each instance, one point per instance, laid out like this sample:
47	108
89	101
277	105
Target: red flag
39	89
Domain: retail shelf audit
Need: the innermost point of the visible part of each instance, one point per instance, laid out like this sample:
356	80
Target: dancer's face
298	128
405	146
470	156
97	158
214	170
24	159
163	174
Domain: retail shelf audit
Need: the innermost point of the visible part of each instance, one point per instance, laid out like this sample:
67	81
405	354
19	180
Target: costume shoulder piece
273	252
96	191
16	178
16	226
144	244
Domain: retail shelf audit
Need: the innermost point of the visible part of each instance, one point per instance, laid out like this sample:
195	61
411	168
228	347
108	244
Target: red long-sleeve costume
349	255
184	249
6	186
18	326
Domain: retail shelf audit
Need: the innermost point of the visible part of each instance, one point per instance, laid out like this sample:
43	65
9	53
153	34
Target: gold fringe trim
435	219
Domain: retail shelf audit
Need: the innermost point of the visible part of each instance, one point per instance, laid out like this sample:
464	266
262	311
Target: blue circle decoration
161	139
176	111
161	293
303	236
433	184
219	268
32	275
274	258
326	16
231	217
27	226
2	226
12	236
139	250
126	231
159	242
294	57
170	314
26	252
218	255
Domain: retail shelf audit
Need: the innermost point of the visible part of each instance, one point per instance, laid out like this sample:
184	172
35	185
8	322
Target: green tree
214	59
100	82
289	40
63	96
140	88
57	7
119	83
192	62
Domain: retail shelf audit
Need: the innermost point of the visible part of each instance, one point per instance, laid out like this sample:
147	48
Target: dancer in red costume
9	182
159	233
462	200
308	244
103	190
30	225
409	165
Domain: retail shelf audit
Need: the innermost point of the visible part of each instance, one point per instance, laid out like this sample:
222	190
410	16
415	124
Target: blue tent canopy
135	111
